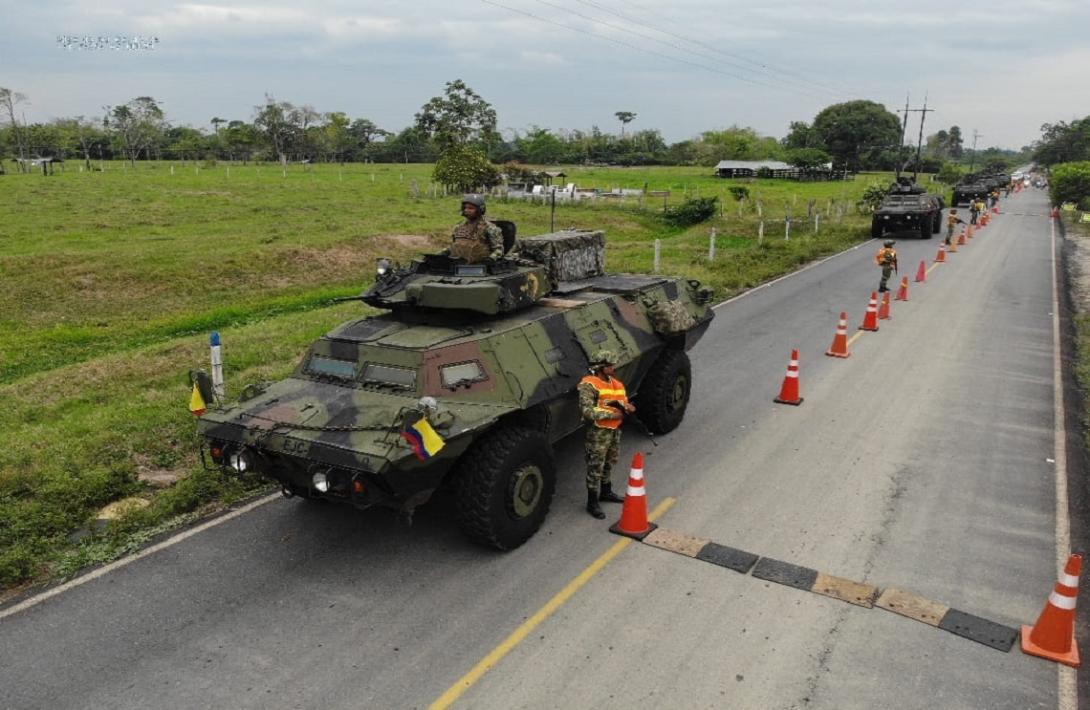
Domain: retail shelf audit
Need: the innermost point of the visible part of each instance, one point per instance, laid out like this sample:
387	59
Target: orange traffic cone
634	522
921	273
941	256
995	208
902	293
1053	636
870	320
961	238
789	393
969	232
883	310
839	348
953	246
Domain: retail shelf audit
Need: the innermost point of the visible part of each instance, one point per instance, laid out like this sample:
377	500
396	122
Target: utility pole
904	128
919	143
972	160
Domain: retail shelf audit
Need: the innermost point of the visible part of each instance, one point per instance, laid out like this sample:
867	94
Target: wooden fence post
658	257
711	246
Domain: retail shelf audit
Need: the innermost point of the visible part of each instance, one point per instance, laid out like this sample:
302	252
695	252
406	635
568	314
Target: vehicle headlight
239	461
320	482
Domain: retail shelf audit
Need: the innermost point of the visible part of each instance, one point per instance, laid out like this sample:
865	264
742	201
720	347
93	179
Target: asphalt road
920	462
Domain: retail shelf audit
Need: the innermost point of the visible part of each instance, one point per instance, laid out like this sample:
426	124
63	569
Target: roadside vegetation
114	279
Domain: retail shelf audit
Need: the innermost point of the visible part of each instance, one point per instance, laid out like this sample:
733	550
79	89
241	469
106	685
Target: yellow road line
932	267
496	655
857	336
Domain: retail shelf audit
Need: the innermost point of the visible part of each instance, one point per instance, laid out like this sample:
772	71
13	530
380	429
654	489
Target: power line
628	45
762	65
673	45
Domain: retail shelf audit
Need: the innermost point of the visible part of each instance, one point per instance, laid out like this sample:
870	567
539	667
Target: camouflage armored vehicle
908	208
465	382
968	190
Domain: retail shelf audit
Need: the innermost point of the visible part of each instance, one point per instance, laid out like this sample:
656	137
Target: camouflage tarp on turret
569	256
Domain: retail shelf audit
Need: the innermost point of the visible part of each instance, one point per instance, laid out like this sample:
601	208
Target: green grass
113	279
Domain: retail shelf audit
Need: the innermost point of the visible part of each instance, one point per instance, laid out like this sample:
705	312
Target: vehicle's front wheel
505	484
876	229
664	393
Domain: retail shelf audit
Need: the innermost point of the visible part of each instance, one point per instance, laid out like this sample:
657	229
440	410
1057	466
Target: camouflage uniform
476	240
887	259
602	445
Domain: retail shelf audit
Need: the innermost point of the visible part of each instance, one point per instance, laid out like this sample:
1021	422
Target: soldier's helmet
954	211
475	200
603	357
889	242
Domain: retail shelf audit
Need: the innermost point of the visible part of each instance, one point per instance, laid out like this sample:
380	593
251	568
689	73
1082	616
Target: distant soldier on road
476	239
952	220
603	403
887	259
974	210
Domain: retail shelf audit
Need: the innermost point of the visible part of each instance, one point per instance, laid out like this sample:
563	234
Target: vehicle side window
321	365
461	373
389	375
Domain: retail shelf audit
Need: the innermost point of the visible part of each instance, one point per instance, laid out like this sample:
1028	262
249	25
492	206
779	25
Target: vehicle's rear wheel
505	484
664	393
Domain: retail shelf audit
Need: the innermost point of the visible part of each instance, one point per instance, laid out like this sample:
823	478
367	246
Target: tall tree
276	123
856	132
457	117
955	144
625	117
137	125
8	101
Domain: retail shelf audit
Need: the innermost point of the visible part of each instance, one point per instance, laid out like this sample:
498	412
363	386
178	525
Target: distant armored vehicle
908	208
466	382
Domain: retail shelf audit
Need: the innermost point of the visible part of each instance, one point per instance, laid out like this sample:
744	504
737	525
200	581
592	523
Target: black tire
505	485
925	228
876	229
936	224
664	393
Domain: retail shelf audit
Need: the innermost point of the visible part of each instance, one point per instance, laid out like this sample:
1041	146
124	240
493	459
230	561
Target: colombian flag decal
425	441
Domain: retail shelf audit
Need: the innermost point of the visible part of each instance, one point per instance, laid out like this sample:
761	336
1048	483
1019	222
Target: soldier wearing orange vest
603	402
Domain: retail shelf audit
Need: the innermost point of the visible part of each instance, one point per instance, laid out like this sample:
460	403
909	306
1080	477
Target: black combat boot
607	495
592	505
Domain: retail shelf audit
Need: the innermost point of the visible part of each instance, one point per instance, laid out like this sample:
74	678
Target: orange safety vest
611	390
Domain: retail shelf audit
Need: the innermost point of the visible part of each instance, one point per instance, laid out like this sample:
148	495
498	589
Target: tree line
855	135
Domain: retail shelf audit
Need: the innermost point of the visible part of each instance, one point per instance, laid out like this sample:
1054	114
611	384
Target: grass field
112	281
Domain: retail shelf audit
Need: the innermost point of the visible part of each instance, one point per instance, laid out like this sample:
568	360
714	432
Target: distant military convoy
465	383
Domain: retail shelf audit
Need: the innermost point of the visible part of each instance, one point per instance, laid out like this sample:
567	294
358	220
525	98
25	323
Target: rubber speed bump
785	573
674	541
912	605
846	590
729	557
974	628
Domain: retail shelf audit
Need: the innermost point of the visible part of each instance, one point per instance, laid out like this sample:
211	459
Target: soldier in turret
476	239
603	403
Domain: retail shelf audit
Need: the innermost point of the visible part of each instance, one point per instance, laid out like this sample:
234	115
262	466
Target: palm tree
625	117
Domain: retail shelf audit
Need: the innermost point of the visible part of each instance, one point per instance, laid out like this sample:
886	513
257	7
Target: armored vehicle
968	190
465	382
908	208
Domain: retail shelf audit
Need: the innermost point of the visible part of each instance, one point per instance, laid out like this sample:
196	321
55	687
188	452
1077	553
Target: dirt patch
154	476
407	241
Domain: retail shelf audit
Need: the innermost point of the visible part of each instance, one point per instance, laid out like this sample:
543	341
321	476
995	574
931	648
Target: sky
1001	68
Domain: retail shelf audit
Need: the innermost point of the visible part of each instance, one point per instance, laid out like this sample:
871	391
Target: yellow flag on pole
196	401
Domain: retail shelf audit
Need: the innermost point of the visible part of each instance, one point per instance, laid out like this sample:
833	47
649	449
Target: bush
740	192
465	168
951	173
691	211
872	198
1070	183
